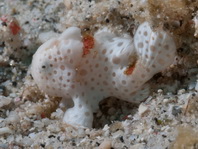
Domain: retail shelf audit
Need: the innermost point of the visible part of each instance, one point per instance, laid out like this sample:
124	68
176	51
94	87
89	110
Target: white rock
137	146
150	130
32	135
166	100
46	121
13	117
196	25
118	134
196	86
106	127
38	124
10	138
62	137
53	128
106	144
142	109
5	130
4	101
133	137
181	91
26	141
107	133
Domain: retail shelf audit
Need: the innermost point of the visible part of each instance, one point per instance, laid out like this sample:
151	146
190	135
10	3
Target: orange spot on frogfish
129	70
88	44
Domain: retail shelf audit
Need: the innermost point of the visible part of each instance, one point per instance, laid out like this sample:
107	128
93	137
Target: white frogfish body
87	69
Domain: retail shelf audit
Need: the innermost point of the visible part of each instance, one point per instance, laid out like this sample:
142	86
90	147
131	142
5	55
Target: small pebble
150	130
5	130
166	100
3	146
118	134
181	91
4	101
196	86
160	91
176	110
133	137
143	109
106	144
137	146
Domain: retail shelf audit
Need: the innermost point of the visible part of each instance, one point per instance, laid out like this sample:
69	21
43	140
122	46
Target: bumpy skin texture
115	66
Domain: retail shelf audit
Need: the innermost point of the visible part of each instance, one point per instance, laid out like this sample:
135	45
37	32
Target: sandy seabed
30	119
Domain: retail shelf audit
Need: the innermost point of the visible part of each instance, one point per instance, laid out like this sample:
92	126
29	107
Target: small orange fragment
129	70
88	43
43	115
14	27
